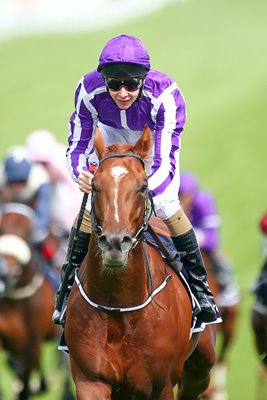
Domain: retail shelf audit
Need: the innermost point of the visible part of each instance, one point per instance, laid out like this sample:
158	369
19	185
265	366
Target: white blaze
117	173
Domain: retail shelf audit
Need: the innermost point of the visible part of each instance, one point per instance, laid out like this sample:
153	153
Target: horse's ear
99	144
144	144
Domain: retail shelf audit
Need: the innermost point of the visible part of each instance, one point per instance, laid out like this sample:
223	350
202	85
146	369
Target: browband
122	155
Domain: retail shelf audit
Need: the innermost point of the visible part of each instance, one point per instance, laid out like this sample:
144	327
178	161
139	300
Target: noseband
149	201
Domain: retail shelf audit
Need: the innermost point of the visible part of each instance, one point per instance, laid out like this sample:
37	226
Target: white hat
41	145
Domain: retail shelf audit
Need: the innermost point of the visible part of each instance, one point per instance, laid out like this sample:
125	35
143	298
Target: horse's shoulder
159	226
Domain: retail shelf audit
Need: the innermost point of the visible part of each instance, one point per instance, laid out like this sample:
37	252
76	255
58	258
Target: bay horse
129	316
26	298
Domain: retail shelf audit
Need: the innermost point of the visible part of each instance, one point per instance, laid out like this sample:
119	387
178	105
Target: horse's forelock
119	148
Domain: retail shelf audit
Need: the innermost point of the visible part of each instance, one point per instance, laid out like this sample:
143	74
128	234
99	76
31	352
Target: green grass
55	373
216	50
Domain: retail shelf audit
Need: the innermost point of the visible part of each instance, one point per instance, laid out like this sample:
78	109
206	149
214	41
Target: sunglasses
130	84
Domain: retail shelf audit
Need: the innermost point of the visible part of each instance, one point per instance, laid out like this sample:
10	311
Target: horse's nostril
115	242
102	242
126	243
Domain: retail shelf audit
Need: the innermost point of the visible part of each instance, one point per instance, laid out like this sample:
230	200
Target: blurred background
216	50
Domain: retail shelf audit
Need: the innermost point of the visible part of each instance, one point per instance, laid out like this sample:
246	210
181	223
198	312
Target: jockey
200	207
120	97
66	198
26	182
260	287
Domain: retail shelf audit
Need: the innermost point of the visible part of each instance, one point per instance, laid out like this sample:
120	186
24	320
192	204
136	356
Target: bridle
148	201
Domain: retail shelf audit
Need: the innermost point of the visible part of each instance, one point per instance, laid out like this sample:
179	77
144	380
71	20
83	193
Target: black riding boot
74	258
195	268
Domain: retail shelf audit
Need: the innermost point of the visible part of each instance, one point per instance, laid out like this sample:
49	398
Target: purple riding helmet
188	183
124	56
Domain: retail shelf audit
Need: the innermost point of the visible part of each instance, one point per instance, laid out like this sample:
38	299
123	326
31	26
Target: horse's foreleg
196	374
93	390
167	393
43	383
25	392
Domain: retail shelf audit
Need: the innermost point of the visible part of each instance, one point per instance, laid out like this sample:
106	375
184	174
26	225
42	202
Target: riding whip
69	267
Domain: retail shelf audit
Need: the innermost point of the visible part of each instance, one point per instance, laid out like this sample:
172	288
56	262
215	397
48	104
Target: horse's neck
117	289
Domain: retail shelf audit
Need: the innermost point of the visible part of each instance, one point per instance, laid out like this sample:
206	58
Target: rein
26	291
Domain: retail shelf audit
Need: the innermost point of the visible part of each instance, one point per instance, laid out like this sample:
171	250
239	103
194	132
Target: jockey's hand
84	181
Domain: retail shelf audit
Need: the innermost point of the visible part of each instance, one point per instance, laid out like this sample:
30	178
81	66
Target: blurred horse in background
26	298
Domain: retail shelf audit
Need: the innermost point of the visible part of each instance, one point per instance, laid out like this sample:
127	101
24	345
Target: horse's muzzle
115	249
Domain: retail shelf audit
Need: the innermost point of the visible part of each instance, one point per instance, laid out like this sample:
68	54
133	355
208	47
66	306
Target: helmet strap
140	95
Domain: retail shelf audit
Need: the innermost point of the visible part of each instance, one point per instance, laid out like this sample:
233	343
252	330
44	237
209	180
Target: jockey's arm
82	126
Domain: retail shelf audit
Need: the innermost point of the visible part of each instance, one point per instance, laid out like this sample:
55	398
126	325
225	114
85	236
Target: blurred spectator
200	207
260	287
23	181
44	149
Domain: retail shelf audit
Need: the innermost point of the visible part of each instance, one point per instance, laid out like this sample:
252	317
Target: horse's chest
127	358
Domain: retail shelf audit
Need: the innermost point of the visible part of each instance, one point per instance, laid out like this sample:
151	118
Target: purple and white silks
162	108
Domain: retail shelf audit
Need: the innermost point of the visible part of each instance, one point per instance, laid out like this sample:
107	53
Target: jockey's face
125	92
123	98
16	189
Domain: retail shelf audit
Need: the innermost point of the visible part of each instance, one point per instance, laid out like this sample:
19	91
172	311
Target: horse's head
119	197
16	223
17	219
